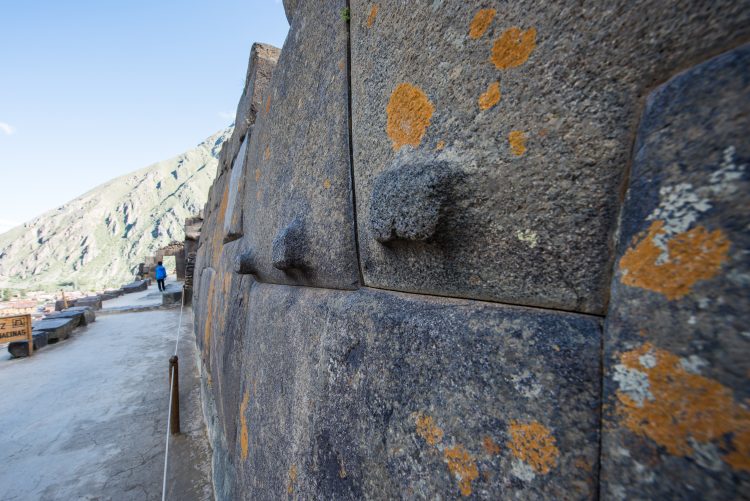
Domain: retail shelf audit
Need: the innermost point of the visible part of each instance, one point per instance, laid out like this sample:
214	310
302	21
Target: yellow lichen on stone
373	13
440	145
409	112
462	466
513	48
292	479
490	97
427	429
267	153
681	408
327	183
517	140
534	444
257	175
693	255
481	22
490	446
244	438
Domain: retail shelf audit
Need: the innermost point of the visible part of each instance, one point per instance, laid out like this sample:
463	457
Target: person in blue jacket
161	274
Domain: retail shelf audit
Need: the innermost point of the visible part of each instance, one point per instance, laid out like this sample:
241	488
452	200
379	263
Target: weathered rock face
677	341
533	108
490	154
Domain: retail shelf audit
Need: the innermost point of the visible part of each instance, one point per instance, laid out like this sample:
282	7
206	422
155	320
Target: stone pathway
86	418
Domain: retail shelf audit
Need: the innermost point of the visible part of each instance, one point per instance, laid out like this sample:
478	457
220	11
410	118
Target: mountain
98	239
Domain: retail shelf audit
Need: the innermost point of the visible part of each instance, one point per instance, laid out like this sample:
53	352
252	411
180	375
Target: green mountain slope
98	239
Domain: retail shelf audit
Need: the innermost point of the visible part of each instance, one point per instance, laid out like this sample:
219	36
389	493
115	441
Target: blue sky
90	90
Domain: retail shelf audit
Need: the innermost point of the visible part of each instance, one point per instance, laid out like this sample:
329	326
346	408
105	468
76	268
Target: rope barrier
169	413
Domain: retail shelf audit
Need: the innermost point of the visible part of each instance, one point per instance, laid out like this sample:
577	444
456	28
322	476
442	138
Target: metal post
174	423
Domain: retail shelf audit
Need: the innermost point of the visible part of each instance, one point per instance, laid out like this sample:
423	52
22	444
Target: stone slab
94	302
677	345
172	295
378	395
18	349
508	131
89	315
56	328
137	286
298	215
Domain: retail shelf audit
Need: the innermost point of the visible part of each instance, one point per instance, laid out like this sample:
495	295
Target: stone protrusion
244	264
290	247
407	201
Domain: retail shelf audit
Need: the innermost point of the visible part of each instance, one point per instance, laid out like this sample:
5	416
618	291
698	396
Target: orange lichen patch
533	444
243	425
427	429
490	97
684	408
517	140
462	466
327	183
409	112
513	48
259	195
267	153
694	255
481	22
440	145
342	64
292	479
257	175
268	103
490	446
373	13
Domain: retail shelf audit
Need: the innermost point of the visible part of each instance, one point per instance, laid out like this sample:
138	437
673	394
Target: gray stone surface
369	394
260	67
677	347
172	295
94	302
18	349
298	156
137	286
84	314
532	221
56	328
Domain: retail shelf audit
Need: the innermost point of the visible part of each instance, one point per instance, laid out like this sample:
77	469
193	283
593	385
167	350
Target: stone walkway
86	418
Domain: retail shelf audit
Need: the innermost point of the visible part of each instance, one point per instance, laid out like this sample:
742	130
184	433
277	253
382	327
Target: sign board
16	328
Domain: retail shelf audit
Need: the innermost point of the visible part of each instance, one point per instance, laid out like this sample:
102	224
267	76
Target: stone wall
462	251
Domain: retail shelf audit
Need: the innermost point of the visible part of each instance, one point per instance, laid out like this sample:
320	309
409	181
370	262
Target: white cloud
7	128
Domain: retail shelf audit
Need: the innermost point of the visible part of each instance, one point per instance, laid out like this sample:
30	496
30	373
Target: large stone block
94	302
490	148
137	286
378	395
18	349
677	345
56	328
298	216
83	314
260	67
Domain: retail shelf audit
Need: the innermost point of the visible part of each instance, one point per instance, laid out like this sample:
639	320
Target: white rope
169	413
